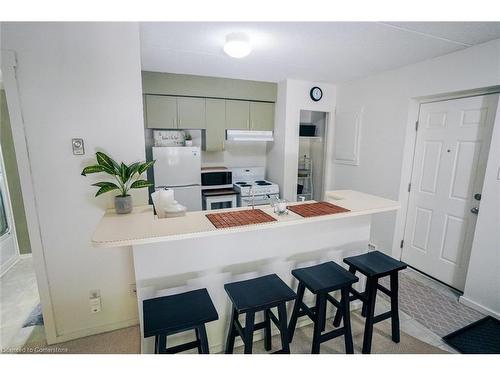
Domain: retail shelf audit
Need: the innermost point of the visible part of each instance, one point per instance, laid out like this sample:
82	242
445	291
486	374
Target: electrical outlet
95	305
95	301
133	290
372	246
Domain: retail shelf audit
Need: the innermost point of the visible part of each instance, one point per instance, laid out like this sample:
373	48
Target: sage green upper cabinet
261	116
216	124
191	113
237	114
161	112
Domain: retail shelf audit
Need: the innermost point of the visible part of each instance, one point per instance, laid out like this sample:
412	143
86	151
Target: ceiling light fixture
237	45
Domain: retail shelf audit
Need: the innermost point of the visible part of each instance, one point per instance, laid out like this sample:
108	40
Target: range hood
249	135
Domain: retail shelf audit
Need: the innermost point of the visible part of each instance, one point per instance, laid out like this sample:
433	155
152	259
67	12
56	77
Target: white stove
253	187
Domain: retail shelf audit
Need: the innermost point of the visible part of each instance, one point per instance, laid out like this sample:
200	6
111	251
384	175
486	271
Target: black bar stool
321	280
167	315
251	296
375	265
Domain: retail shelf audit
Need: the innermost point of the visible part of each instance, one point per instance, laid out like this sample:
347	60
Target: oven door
259	200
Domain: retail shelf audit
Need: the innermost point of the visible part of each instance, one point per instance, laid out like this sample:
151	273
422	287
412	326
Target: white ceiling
327	52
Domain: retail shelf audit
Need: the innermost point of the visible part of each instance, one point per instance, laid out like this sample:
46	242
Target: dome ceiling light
237	45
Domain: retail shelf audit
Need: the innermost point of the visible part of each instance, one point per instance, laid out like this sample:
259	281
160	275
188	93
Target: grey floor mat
436	310
35	318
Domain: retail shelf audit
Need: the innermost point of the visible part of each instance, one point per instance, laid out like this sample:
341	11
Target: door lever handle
477	196
474	210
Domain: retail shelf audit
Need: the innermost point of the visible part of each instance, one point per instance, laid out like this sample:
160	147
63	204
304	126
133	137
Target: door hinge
416	125
402	243
409	187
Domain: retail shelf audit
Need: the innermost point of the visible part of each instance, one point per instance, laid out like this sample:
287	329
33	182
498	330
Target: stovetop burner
240	183
262	183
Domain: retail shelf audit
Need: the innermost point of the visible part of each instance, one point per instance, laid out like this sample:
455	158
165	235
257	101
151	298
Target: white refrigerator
179	168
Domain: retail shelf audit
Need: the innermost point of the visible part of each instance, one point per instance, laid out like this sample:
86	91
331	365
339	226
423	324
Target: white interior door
451	152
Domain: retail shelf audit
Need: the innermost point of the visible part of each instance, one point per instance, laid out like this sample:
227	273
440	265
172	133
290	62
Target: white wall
482	288
79	80
389	115
240	154
282	156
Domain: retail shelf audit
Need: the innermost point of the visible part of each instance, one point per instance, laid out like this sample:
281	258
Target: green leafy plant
127	176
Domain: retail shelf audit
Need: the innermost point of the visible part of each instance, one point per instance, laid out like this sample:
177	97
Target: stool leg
338	314
248	330
285	345
318	323
198	339
157	344
295	312
394	307
364	306
323	324
347	320
267	331
201	333
370	311
231	334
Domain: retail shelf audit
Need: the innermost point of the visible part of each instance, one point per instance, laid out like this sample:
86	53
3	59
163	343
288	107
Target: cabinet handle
173	122
248	124
180	123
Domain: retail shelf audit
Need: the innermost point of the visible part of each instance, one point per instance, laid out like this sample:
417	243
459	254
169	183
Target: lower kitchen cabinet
261	116
215	124
161	112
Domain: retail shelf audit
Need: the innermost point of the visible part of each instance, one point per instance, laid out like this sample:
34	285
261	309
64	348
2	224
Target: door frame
409	153
10	220
8	67
328	152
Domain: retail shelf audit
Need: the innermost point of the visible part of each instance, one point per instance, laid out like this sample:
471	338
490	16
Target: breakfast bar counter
143	227
185	253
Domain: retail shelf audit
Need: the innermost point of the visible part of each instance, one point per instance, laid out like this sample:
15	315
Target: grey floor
18	297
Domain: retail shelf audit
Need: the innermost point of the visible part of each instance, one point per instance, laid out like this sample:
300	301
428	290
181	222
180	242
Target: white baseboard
93	331
26	256
476	306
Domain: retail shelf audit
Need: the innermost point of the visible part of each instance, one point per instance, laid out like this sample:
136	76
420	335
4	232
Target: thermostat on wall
78	147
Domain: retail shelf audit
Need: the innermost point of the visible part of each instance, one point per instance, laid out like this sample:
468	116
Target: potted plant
188	139
126	177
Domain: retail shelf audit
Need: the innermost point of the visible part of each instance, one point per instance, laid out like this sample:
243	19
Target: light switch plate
78	146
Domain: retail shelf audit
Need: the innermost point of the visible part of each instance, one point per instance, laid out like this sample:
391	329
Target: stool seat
168	314
324	277
259	293
375	264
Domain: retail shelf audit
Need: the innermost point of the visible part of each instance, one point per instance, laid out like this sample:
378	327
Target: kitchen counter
179	254
142	226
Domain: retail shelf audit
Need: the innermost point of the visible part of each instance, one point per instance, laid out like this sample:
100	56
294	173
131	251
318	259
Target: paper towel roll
156	202
166	197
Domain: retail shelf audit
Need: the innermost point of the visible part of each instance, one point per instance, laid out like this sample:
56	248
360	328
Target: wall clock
316	94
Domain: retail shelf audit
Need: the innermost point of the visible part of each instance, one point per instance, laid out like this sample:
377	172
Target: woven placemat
316	209
239	218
